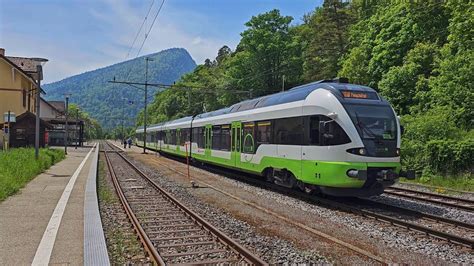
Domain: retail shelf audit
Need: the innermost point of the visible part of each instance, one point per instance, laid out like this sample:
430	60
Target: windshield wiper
366	129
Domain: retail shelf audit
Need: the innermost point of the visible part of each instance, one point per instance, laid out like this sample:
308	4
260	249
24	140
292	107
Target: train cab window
334	135
264	133
289	131
248	143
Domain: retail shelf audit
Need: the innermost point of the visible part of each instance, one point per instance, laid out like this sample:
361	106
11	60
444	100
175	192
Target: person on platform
124	143
129	140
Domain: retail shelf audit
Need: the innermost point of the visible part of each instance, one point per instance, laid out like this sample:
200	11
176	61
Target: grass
105	194
463	183
18	166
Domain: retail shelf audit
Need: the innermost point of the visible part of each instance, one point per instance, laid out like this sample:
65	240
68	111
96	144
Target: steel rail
302	226
411	194
144	239
239	249
342	206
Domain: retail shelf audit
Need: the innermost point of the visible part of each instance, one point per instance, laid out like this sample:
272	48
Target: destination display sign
360	95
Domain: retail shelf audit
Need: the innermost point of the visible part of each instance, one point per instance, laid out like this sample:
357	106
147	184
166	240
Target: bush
18	167
450	156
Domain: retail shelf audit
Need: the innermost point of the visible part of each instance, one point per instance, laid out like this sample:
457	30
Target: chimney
2	51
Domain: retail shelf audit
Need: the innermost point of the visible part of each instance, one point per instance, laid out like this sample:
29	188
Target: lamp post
39	71
123	116
66	113
146	96
75	132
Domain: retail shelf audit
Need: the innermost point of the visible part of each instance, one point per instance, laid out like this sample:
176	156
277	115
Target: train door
236	140
208	141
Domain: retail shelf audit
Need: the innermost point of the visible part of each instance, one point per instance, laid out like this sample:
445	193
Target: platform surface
26	216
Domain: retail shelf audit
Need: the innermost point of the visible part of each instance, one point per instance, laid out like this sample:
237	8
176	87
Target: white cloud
119	22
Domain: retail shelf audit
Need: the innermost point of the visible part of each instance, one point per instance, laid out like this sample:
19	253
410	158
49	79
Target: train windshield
373	121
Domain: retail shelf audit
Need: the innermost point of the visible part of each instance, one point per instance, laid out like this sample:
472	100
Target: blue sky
81	35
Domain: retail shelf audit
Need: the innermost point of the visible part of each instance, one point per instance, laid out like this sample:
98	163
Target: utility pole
9	130
77	133
146	96
66	125
39	70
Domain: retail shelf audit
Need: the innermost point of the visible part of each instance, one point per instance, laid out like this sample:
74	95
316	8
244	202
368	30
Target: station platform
55	218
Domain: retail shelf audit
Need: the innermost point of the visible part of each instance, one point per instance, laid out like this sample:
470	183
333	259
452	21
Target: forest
417	54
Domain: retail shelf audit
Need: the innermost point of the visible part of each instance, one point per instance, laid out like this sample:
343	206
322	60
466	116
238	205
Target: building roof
23	72
26	64
58	105
30	115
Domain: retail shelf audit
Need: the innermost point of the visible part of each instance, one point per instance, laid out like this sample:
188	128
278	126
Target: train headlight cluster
358	151
398	152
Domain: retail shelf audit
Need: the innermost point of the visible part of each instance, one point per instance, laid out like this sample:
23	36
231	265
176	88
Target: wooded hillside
419	56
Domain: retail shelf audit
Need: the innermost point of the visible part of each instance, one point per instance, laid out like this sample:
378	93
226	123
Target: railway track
449	201
438	227
170	232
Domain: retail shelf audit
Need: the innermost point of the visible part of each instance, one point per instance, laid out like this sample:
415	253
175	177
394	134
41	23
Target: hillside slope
104	101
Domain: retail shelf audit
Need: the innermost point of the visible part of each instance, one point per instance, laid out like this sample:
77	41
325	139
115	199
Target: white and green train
327	136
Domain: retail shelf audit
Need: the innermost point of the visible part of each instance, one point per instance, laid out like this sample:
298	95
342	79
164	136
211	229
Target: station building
18	85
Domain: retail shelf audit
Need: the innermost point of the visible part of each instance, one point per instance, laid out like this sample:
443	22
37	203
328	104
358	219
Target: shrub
450	156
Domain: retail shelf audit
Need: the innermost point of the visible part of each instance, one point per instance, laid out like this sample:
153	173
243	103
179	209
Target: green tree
454	84
326	33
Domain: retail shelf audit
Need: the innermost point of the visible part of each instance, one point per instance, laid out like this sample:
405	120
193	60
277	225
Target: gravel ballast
412	244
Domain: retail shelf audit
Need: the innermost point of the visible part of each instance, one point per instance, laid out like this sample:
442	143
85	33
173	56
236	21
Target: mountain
104	100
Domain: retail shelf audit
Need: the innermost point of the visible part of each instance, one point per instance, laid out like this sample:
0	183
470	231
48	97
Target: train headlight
358	151
398	152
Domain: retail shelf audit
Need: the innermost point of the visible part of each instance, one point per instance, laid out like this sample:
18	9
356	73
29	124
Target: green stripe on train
322	173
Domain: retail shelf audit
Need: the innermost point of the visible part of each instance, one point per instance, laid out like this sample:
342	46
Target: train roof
295	94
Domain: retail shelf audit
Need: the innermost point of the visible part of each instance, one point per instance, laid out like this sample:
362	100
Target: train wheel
269	175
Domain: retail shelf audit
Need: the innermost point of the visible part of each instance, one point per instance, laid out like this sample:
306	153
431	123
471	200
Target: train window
264	133
225	138
335	136
198	136
183	136
314	130
289	131
248	143
173	140
216	137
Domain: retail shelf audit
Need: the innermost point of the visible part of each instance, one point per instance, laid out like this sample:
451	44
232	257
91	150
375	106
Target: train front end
369	161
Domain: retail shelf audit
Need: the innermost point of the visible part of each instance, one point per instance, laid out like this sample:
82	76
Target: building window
24	94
